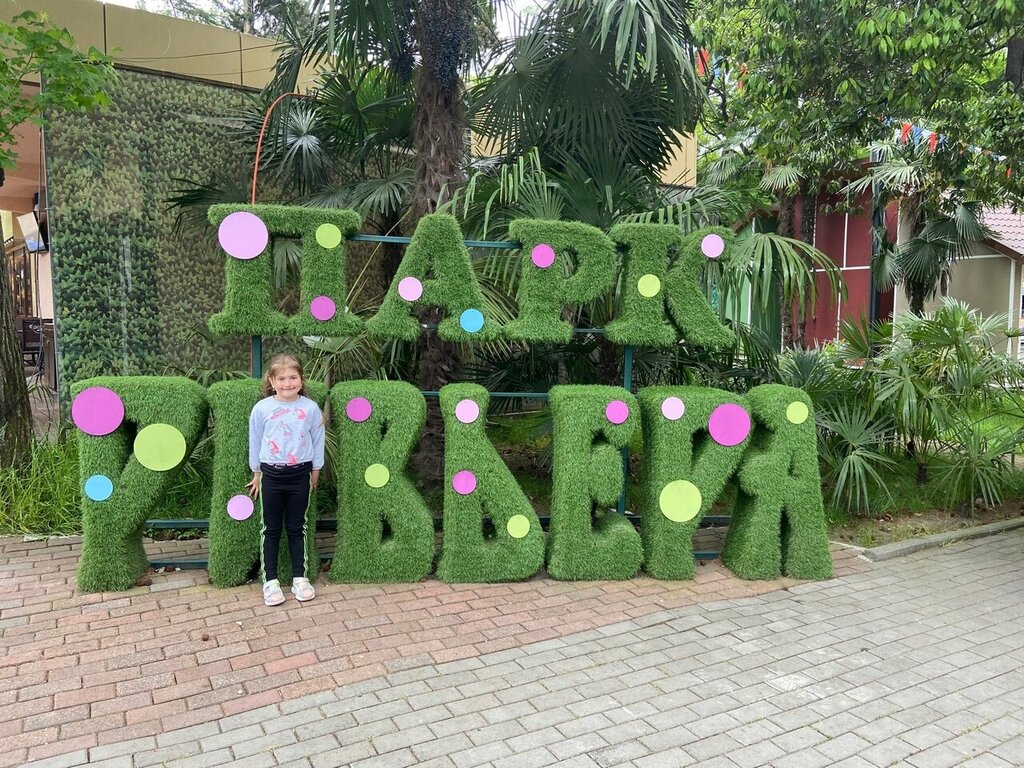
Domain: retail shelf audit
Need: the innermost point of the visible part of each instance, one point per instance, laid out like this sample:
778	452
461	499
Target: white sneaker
272	594
302	589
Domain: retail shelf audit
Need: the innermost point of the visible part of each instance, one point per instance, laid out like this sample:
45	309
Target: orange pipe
259	142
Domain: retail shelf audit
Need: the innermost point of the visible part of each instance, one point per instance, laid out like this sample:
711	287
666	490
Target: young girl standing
286	454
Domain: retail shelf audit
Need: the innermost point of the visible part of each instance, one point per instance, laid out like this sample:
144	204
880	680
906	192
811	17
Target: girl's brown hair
277	365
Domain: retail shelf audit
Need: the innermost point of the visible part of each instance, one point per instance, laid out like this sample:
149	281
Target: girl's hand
254	484
314	477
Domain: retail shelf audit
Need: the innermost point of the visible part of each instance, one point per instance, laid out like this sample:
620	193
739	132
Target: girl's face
287	384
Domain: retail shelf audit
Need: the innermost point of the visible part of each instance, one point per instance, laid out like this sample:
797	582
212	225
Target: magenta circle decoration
672	408
240	507
542	255
97	411
712	246
467	411
322	308
464	482
358	409
410	288
729	424
616	411
243	235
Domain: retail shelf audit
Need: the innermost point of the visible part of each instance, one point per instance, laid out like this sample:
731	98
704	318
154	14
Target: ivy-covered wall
130	289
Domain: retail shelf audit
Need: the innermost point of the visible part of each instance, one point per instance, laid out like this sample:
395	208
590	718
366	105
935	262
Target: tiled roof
1007	226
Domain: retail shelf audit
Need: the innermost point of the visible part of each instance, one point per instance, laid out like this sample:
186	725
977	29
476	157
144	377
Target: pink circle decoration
410	288
358	409
672	408
97	411
712	246
467	411
616	412
243	235
464	482
729	424
240	507
542	255
322	308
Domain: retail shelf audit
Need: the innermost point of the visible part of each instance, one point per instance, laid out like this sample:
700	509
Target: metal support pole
627	384
256	356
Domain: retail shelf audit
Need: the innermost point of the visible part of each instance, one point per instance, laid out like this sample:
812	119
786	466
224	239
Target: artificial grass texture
676	450
778	524
385	534
584	269
248	294
468	552
438	258
113	557
586	539
235	544
658	251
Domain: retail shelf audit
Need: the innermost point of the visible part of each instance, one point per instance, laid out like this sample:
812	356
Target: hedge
587	540
113	557
584	268
680	457
778	525
491	532
438	264
248	297
385	531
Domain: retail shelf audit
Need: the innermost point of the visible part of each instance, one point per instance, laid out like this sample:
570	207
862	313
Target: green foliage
74	81
385	534
477	545
778	524
583	269
438	258
45	499
248	304
113	557
587	539
235	544
975	463
852	441
130	288
676	450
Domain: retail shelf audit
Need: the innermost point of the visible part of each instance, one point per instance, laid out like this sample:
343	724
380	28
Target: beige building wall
157	43
987	281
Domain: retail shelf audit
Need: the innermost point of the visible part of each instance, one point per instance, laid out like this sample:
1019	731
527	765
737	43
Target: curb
901	548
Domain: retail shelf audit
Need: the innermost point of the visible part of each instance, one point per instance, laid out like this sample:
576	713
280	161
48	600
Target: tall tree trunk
15	411
439	125
808	223
909	224
784	227
1014	72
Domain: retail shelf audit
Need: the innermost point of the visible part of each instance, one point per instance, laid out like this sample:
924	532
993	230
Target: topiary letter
694	438
158	419
385	531
592	425
778	524
550	252
491	533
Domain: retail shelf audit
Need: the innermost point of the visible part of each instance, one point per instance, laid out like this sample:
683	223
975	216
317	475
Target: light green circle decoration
797	412
328	236
518	526
649	286
159	447
377	475
680	501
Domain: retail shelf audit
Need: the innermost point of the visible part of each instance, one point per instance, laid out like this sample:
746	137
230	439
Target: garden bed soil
899	526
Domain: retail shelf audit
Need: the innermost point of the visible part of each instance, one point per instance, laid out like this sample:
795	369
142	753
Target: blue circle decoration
99	487
472	320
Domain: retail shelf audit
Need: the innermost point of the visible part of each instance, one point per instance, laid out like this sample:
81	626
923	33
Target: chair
31	340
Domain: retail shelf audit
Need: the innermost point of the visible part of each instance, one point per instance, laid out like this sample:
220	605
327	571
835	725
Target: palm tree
937	224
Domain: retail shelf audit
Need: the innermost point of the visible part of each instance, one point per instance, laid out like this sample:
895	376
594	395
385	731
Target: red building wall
845	237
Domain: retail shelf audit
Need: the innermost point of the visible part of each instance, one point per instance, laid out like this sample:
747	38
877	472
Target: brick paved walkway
916	662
